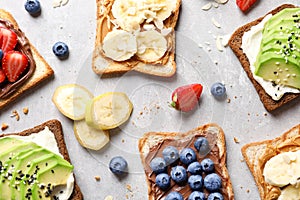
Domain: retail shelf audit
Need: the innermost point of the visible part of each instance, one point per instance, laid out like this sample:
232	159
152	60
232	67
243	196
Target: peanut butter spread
106	22
283	145
185	190
23	46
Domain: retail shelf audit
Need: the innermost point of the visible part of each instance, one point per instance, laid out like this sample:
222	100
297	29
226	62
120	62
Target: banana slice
283	169
71	100
152	45
162	8
128	13
119	45
290	193
108	110
89	137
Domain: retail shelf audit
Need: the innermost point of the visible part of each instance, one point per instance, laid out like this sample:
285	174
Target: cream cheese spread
46	139
251	45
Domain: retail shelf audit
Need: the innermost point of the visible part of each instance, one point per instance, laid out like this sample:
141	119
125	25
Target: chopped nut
4	126
25	110
16	115
207	6
97	178
228	100
236	140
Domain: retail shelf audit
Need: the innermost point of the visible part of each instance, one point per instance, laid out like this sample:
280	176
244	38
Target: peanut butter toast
136	35
274	165
153	145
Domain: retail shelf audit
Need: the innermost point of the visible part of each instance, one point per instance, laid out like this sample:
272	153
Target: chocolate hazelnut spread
23	45
185	190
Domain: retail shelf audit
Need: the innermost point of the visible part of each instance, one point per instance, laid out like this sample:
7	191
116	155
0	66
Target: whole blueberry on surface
212	182
179	174
33	7
196	195
207	165
61	50
215	196
163	181
174	196
202	146
218	90
187	156
194	168
195	182
118	165
158	165
170	154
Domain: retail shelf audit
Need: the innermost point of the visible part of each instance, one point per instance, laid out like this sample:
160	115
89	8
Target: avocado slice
8	142
287	25
273	67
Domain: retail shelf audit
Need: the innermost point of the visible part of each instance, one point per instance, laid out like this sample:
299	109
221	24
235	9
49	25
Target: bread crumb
97	178
247	190
228	100
236	140
4	126
123	140
16	115
25	110
128	187
265	114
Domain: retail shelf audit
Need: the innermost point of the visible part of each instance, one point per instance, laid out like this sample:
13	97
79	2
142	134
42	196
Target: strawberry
14	63
2	76
185	98
8	38
244	5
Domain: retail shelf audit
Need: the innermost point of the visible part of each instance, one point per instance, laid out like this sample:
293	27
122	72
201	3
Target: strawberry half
186	98
13	64
244	5
8	38
2	76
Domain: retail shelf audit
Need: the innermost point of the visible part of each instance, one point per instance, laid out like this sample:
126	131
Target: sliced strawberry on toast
8	39
244	5
13	64
2	76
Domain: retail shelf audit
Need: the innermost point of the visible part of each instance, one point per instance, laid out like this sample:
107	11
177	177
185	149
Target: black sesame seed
52	171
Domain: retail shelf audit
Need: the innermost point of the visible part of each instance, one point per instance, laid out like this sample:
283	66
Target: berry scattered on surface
61	50
33	7
218	90
118	165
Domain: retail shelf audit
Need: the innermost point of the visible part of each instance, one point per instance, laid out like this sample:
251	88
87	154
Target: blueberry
118	165
202	146
196	195
61	50
218	90
194	168
1	54
158	165
170	154
215	196
33	7
179	174
207	165
187	156
163	181
195	182
174	196
212	182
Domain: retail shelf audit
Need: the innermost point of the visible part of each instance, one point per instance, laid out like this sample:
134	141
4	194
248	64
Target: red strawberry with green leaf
2	76
244	5
13	64
186	98
8	39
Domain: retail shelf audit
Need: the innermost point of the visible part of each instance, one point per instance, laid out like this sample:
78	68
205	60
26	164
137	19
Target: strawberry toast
21	66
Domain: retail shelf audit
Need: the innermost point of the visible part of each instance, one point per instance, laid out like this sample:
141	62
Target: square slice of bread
104	66
257	154
42	72
151	145
56	128
235	43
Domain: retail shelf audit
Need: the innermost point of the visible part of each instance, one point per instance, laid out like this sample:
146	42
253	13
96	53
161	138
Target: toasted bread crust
235	43
255	155
107	67
151	139
56	128
42	72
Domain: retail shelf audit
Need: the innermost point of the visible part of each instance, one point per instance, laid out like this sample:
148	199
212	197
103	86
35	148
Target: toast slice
104	66
152	144
258	153
235	43
56	128
42	70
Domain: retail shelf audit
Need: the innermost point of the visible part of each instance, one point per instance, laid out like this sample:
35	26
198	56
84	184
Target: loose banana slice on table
89	137
108	110
71	100
152	45
119	45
